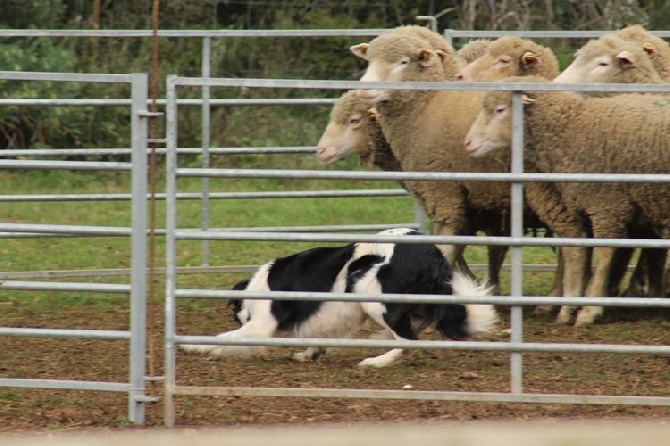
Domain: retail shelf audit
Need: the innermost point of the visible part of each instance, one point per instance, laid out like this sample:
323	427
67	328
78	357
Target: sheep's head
492	129
656	48
346	133
510	56
610	60
398	58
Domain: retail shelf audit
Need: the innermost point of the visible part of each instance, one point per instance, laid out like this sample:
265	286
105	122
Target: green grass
75	253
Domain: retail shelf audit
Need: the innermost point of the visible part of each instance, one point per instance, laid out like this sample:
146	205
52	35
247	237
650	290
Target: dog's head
240	313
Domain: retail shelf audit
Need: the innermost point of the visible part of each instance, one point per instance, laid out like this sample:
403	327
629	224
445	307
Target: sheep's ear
527	100
442	55
626	59
530	59
649	48
425	57
360	50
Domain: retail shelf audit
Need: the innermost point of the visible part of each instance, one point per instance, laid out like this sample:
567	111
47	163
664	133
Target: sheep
452	62
656	48
511	56
514	56
353	130
618	134
425	135
611	59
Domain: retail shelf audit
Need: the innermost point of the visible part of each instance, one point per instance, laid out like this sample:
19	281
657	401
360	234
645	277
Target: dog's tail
480	318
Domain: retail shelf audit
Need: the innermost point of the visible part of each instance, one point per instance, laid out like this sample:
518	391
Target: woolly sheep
452	63
353	130
511	56
425	135
610	59
656	48
618	134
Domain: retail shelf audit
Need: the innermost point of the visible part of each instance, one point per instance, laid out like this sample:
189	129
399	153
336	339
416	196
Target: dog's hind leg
311	354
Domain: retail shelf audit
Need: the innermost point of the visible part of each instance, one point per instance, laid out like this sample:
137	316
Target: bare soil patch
588	374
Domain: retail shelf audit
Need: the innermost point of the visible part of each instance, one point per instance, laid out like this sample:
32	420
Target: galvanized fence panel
136	289
516	346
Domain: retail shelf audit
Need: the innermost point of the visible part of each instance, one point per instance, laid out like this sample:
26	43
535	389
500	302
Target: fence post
170	249
138	285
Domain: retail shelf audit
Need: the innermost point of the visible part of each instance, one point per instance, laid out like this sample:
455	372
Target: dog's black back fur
414	269
314	270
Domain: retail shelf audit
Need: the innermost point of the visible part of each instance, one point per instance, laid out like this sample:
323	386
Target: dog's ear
241	285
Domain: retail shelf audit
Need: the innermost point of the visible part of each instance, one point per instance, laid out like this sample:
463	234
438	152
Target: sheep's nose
320	151
460	77
467	143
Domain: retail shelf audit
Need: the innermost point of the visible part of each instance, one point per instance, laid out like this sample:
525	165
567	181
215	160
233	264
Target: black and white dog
371	268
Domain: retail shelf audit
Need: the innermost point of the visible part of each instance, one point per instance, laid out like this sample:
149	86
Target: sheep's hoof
587	316
564	316
543	309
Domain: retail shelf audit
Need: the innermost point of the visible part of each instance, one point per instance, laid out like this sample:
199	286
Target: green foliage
35	126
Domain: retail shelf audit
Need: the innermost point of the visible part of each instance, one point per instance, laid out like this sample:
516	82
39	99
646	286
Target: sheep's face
489	68
507	56
492	130
342	139
602	62
398	60
589	67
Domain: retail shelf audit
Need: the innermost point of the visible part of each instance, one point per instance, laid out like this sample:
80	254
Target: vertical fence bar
448	36
138	288
516	316
170	250
205	141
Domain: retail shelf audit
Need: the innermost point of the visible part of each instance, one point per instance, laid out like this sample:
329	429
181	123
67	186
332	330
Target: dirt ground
24	409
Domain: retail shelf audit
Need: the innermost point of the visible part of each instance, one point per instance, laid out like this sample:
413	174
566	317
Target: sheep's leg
620	263
651	263
496	255
556	286
453	253
575	272
598	286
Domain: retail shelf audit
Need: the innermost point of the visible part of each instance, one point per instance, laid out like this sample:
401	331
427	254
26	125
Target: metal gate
516	346
136	289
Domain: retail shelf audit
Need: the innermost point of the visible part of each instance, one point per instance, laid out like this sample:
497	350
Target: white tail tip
482	318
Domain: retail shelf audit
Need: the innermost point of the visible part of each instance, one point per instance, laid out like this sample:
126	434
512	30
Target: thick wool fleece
426	129
473	50
620	134
659	54
515	47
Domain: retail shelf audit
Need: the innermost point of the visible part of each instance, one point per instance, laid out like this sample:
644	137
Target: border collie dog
369	268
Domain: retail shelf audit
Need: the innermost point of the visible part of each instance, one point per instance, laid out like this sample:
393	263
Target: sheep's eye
404	61
355	120
499	110
505	60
